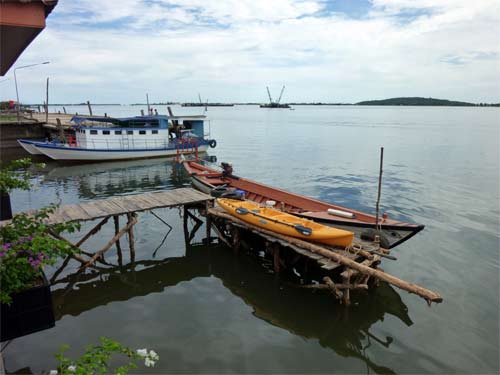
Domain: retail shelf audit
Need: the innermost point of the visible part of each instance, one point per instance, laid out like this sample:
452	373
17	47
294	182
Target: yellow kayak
283	223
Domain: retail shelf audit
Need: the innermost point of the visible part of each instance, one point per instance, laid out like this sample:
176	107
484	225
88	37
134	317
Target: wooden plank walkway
122	205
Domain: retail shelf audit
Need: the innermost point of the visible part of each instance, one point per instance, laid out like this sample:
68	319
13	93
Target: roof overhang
20	22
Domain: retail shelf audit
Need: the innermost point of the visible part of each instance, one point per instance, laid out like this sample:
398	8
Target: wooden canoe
284	223
392	233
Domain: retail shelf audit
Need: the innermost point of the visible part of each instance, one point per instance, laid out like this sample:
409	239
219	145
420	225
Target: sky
229	50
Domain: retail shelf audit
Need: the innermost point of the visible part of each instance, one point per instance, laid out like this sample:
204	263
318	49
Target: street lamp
15	80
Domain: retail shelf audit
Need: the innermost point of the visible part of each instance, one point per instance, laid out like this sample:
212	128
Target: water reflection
114	178
344	330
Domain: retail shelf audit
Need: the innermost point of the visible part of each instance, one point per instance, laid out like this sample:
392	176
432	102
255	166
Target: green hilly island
424	102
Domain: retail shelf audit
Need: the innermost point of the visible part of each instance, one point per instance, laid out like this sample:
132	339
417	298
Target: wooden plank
93	209
77	212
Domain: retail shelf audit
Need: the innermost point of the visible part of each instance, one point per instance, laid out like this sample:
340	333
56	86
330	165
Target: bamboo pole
427	294
90	107
379	187
126	228
93	231
47	102
131	221
116	220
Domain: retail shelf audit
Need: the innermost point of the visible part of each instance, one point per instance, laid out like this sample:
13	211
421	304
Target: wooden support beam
132	221
220	235
236	239
329	282
427	294
130	224
93	231
116	220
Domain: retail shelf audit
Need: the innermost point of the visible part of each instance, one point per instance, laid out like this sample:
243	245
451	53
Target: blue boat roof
116	120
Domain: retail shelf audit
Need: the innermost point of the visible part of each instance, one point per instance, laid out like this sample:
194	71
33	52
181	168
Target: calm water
206	310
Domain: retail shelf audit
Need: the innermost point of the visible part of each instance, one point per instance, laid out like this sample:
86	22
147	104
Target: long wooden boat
284	223
392	232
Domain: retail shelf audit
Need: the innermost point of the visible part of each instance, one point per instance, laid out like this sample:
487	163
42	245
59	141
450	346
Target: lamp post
15	80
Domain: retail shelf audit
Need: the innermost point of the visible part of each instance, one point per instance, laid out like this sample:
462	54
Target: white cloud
230	50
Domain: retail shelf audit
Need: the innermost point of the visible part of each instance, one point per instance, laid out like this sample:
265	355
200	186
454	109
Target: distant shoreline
403	101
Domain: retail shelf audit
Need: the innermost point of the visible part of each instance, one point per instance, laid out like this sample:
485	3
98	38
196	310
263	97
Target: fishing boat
391	232
284	223
107	138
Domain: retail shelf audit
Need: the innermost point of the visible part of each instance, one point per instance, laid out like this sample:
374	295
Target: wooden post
275	250
47	102
90	108
64	110
131	219
208	223
39	109
236	239
116	220
61	130
379	187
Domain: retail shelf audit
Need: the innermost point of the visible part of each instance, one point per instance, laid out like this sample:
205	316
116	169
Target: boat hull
284	223
392	232
29	146
80	154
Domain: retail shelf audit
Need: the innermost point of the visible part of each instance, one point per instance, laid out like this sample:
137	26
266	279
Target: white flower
149	363
142	352
72	368
53	372
153	355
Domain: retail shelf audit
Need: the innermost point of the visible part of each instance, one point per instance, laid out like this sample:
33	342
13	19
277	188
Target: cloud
230	50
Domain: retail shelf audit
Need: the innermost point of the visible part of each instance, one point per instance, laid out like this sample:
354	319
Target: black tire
369	235
212	143
218	191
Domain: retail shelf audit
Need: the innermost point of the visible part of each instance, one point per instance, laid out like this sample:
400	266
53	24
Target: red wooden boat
215	182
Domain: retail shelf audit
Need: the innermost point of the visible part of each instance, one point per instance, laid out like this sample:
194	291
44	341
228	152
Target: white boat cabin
135	133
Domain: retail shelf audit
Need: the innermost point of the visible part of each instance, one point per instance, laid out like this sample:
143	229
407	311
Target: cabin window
142	132
154	131
130	132
118	132
83	131
105	132
93	132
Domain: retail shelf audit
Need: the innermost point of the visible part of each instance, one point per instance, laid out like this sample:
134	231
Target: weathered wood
409	287
131	221
90	108
116	220
93	231
47	102
236	239
220	235
124	230
329	282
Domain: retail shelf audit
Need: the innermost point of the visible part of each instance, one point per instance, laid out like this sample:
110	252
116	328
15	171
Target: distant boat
206	105
108	138
220	183
276	104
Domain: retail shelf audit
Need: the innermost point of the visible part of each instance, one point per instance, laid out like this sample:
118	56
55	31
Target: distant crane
277	103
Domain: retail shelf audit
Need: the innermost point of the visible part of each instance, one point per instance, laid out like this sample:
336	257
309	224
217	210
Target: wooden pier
339	271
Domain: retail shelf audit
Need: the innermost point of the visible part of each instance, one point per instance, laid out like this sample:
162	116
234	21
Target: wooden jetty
339	271
342	270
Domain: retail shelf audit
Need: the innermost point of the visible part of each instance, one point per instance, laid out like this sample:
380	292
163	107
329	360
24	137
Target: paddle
298	227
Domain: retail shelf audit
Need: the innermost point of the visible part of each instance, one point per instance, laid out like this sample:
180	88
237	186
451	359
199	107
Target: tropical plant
96	357
16	175
26	247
